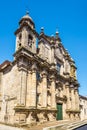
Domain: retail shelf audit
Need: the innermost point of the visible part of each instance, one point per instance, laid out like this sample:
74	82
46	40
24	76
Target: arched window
30	40
38	76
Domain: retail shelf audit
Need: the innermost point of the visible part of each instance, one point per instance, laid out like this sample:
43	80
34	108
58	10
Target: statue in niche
73	72
59	89
49	98
39	99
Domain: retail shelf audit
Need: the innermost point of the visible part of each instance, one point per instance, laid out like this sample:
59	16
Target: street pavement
4	127
60	125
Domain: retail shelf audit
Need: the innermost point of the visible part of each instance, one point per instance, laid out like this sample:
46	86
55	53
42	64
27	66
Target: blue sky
68	16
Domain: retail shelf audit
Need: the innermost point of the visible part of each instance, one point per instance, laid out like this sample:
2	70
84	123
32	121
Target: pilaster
53	99
22	67
1	74
68	96
24	38
23	87
29	87
72	98
76	99
33	85
67	66
44	90
34	45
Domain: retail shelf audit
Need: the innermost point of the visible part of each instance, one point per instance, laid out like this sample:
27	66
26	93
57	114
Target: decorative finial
27	12
52	39
57	32
66	50
42	29
52	35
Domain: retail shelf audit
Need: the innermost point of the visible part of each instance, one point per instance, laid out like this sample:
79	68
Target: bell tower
25	34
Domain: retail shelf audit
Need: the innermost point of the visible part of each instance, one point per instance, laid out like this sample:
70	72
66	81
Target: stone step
73	123
70	125
49	124
74	126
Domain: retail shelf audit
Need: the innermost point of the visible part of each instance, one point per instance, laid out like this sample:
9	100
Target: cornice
35	109
5	64
23	25
72	111
83	97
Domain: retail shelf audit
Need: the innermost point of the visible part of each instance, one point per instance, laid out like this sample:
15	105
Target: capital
44	73
52	77
76	88
52	46
71	86
67	84
34	66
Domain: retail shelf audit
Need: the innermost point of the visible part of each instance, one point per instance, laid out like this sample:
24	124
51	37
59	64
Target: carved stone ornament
58	53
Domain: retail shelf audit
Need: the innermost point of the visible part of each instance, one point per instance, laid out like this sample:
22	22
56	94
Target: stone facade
41	78
83	107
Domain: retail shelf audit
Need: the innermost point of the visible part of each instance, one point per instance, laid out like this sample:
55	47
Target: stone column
72	98
44	90
76	99
33	86
53	100
23	87
68	96
29	87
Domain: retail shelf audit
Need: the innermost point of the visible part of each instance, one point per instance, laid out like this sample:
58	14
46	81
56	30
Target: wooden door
59	112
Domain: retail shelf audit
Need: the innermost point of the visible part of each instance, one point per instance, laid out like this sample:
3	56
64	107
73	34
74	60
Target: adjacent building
83	107
40	84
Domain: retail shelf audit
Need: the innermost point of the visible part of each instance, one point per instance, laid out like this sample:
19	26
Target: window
38	76
30	39
58	68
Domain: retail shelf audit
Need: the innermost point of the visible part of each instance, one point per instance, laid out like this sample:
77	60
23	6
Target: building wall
10	91
38	80
83	107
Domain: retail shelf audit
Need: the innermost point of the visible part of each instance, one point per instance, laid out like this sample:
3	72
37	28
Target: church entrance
59	112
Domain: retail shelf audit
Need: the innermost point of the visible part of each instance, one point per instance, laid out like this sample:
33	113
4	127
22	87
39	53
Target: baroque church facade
40	84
